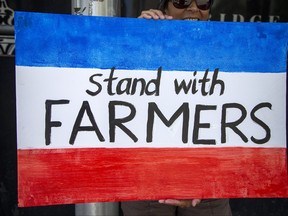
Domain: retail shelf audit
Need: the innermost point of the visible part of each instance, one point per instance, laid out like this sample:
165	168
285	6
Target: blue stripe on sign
126	43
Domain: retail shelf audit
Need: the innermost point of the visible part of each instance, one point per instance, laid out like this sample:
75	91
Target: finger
168	17
170	202
157	13
195	202
174	202
148	15
145	16
152	14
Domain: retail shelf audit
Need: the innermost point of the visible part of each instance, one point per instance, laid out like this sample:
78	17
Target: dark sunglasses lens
201	4
204	4
181	3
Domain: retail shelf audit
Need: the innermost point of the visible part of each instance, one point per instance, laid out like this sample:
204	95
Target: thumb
195	202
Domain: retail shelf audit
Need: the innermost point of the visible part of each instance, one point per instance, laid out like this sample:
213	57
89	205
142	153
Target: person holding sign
192	10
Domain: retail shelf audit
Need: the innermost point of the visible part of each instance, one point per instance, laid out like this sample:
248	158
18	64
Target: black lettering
48	123
216	81
126	86
119	122
183	86
135	84
194	89
85	108
186	87
156	82
110	80
232	125
203	83
198	125
153	108
261	123
99	87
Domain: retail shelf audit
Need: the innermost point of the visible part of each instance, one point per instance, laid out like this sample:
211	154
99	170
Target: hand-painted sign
112	109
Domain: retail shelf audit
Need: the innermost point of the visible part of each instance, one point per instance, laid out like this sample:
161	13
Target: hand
181	203
154	14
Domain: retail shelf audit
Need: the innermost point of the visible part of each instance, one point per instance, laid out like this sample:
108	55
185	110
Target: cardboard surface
112	109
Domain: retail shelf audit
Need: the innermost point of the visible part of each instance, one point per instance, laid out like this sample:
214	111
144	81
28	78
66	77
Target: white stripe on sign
95	108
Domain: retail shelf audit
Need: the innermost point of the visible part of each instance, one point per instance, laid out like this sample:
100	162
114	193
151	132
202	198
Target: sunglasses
201	4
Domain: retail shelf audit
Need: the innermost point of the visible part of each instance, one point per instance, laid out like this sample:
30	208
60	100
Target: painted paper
114	109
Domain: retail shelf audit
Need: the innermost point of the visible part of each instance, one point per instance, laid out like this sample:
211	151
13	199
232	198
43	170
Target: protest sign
113	109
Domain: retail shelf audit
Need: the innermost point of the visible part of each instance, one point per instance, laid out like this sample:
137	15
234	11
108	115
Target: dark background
223	10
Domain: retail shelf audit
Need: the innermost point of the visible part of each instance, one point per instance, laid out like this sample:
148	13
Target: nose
193	6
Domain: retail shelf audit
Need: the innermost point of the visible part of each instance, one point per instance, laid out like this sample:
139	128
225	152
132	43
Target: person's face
190	13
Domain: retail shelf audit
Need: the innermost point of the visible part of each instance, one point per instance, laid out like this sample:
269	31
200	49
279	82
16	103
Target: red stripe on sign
63	176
